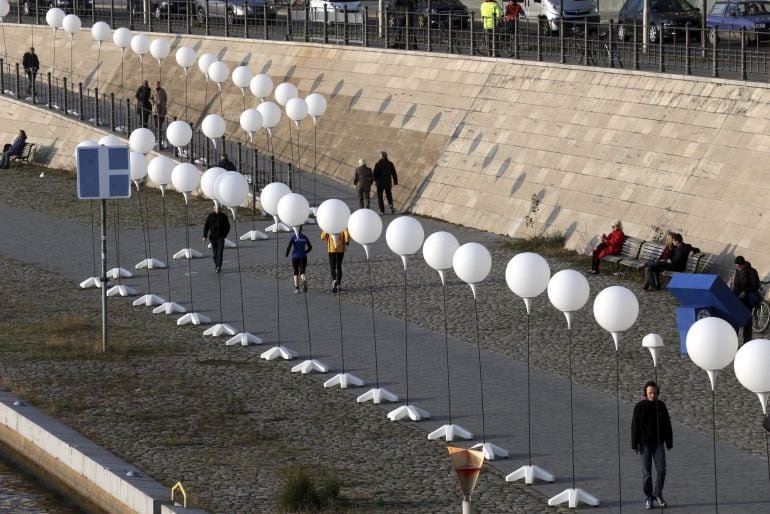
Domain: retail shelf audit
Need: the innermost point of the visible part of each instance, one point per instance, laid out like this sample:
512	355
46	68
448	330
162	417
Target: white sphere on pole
232	189
296	110
752	368
5	8
316	105
140	45
100	31
54	18
365	226
71	24
204	61
185	177
404	235
137	166
218	71
122	38
271	114
711	344
261	86
213	126
110	140
86	143
251	121
332	216
293	209
185	57
242	76
284	92
527	275
142	140
208	181
179	133
439	249
160	169
472	263
159	49
616	309
271	195
568	291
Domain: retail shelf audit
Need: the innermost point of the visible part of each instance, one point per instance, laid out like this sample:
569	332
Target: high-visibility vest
490	14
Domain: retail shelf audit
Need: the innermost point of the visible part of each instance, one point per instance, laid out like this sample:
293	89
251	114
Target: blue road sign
103	172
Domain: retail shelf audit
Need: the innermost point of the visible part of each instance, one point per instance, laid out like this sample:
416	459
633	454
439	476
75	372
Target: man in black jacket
216	228
650	430
746	288
385	177
677	261
363	179
143	103
31	64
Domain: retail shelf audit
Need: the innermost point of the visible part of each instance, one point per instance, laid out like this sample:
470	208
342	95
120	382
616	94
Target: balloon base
149	300
573	497
310	365
344	380
188	253
491	451
219	329
529	474
193	318
450	433
150	264
168	308
91	282
119	273
121	291
280	228
408	411
244	339
376	395
278	351
253	235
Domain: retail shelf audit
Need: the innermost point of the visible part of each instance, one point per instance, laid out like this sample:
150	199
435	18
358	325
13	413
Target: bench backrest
631	248
705	261
651	251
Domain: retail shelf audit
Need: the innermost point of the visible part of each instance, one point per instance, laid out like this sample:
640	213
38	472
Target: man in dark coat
363	179
143	103
226	164
650	431
215	229
31	64
746	288
385	177
677	261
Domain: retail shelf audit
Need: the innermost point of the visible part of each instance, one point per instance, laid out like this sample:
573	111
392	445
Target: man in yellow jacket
491	14
336	244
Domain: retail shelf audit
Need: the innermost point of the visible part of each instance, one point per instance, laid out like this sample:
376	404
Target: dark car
68	6
726	19
439	12
164	8
673	16
235	10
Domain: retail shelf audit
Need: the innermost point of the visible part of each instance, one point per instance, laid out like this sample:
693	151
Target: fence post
562	58
714	61
516	38
636	49
585	40
149	22
128	116
610	55
472	50
112	112
265	34
66	95
188	20
2	76
305	24
365	28
539	49
206	19
240	157
18	82
289	32
687	66
80	101
50	89
345	26
112	13
272	168
661	57
743	53
429	27
246	11
386	27
326	25
291	176
168	19
96	107
37	14
494	39
227	18
255	180
130	18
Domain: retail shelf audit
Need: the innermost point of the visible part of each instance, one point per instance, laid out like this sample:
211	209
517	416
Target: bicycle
760	315
504	38
601	52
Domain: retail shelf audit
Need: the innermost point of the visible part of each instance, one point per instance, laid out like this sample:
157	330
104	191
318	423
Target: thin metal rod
617	409
104	275
240	278
446	348
571	408
374	328
406	342
714	427
767	450
315	160
529	403
189	261
342	340
145	230
309	339
165	236
116	222
481	380
93	238
277	287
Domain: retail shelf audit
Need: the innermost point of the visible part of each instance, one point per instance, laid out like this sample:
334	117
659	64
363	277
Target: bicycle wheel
760	317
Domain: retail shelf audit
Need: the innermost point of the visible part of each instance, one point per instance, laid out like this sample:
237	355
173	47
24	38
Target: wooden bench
630	250
26	153
648	252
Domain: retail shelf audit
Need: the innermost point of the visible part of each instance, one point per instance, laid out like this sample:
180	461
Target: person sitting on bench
14	148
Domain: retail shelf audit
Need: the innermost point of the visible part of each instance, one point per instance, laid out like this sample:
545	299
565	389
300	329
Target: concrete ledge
178	509
94	477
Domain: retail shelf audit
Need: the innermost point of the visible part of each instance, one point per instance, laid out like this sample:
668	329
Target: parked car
548	14
164	8
68	6
727	18
674	16
235	10
439	14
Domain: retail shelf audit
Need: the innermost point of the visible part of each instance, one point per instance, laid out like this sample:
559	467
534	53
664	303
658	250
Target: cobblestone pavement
193	405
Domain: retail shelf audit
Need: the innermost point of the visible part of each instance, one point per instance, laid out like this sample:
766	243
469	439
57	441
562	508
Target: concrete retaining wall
475	138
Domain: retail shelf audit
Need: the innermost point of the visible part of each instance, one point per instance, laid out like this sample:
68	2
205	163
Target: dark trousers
144	116
748	329
218	250
335	264
5	160
652	273
388	194
363	198
595	260
31	76
648	454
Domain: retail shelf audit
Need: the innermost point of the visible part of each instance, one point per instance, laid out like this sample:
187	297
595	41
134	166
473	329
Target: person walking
215	229
336	244
650	431
491	14
31	64
143	97
385	178
159	101
746	288
362	179
300	246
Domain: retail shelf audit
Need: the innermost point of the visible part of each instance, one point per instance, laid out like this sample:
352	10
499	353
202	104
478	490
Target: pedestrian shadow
434	122
317	82
408	115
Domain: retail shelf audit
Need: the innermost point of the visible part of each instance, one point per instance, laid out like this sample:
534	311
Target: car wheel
652	34
545	27
713	36
621	33
201	16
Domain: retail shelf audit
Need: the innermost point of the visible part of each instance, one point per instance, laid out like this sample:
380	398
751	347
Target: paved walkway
64	247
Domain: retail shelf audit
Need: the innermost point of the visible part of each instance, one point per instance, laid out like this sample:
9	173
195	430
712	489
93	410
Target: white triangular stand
376	395
408	411
310	221
168	308
91	282
228	244
281	228
450	433
253	235
574	497
193	318
149	300
122	272
244	339
491	451
121	291
344	380
219	329
188	253
314	212
310	365
529	474
278	351
150	264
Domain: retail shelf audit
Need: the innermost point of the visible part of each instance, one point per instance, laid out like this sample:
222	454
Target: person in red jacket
611	244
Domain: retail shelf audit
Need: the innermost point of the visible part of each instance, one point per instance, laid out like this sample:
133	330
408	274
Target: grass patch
298	492
548	245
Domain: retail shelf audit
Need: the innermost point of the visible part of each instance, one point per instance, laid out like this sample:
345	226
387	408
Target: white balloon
316	105
179	133
185	57
122	38
140	44
261	86
271	195
208	182
137	166
85	144
296	109
159	48
232	189
284	92
293	209
213	126
332	216
616	310
439	249
568	291
71	24
5	8
242	76
365	226
54	17
160	169
527	275
110	140
752	368
271	114
404	235
218	71
100	31
472	263
142	140
204	61
711	344
251	121
185	177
